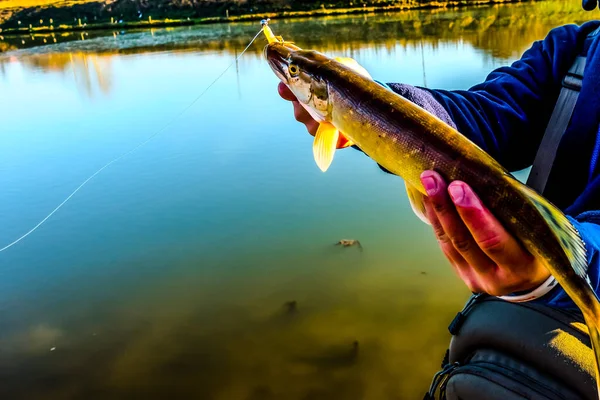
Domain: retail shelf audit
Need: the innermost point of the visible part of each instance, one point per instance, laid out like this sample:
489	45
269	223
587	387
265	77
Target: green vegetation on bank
83	16
520	24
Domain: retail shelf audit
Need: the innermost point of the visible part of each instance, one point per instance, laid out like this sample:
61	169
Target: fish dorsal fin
416	202
325	144
353	64
568	236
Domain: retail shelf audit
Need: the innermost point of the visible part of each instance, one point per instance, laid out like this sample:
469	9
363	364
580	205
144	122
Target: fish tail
566	234
574	248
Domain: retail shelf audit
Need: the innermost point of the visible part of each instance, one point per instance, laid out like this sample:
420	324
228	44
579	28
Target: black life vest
515	351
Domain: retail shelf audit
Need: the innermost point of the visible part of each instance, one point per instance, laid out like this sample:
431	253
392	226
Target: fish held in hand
406	140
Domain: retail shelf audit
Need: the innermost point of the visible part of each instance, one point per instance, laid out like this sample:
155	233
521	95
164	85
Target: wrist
532	294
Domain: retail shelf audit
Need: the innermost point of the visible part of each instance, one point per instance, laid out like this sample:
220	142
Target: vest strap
559	121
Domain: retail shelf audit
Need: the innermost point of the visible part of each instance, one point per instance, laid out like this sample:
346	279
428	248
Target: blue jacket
507	115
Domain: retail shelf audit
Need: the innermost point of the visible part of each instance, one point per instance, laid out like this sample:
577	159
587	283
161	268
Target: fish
406	140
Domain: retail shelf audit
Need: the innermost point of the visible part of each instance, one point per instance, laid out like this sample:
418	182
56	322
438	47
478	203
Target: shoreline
254	17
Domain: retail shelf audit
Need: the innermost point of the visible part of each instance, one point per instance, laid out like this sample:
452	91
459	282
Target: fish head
299	70
312	77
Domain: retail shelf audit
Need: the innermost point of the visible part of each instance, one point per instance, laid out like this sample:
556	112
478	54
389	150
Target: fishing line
155	134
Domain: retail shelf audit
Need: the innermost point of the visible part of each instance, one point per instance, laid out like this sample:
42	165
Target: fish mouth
278	55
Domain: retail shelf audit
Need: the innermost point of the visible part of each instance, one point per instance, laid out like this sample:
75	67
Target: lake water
168	274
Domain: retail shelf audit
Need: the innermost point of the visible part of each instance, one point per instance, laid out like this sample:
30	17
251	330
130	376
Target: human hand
483	254
303	116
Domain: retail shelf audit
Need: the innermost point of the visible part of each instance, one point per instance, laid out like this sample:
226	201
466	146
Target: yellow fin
416	202
324	145
352	63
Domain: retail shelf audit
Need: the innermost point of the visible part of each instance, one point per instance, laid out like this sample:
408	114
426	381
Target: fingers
485	255
455	231
443	239
312	127
489	234
461	266
300	113
304	117
518	269
285	92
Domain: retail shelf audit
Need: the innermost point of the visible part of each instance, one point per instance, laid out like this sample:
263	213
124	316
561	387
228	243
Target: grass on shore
149	23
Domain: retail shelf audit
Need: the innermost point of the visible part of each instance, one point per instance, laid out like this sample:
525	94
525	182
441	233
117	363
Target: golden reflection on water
91	73
85	67
502	31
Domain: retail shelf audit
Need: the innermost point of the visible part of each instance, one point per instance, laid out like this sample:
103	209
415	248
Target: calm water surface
168	275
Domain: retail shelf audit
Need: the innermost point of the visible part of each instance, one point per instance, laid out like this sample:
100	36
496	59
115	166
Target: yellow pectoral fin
416	202
352	63
325	144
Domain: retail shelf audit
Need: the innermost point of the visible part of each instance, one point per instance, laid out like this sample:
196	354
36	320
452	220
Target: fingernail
429	184
457	193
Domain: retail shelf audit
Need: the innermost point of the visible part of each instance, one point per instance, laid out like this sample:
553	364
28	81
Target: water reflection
502	32
92	73
85	67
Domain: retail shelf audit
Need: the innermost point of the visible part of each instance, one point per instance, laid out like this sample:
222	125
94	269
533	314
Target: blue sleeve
507	114
588	225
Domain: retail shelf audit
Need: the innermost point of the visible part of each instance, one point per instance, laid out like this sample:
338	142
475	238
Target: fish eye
293	69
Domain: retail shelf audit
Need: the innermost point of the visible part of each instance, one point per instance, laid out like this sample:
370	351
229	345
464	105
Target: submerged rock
349	243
